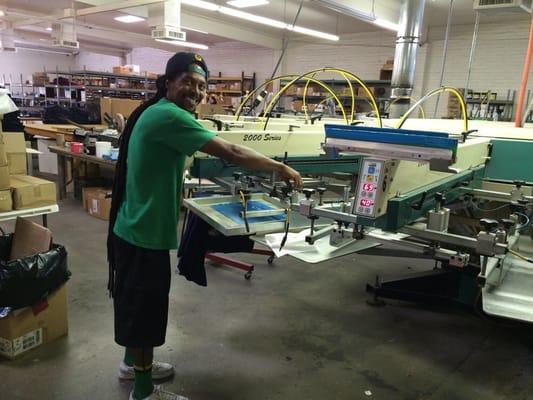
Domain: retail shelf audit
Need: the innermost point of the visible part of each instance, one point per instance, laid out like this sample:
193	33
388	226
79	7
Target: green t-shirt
161	139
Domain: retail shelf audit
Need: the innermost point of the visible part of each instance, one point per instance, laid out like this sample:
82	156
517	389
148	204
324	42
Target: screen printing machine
463	201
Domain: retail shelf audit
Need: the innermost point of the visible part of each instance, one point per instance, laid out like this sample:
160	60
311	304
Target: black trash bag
25	281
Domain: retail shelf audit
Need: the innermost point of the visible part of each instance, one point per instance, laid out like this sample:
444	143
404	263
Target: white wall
152	60
498	60
362	54
27	62
229	59
96	62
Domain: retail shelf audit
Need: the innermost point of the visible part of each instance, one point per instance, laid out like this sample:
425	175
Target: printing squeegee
388	143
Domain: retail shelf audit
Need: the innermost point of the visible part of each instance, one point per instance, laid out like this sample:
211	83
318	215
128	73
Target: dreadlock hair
121	169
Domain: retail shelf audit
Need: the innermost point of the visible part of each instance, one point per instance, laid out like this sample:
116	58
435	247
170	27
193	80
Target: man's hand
289	174
250	159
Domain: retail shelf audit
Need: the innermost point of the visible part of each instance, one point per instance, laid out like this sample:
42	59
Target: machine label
259	138
253	138
366	202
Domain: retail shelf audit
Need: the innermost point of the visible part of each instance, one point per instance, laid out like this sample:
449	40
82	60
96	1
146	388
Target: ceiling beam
231	31
212	25
34	36
106	7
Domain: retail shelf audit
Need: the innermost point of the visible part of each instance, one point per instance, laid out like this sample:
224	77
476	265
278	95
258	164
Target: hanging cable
351	92
287	226
444	53
432	93
252	93
526	219
286	44
489	209
275	99
521	256
400	98
244	207
325	69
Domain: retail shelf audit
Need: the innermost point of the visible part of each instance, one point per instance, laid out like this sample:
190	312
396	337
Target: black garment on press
199	238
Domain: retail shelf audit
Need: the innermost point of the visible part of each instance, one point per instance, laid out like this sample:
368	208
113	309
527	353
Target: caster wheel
248	275
270	260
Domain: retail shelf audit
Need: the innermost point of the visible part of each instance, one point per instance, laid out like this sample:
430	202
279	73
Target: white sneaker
160	370
160	394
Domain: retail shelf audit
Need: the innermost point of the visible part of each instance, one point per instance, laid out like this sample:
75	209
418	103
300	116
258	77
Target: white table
30	212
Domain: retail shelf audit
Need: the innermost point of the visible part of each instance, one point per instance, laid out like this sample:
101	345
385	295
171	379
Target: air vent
167	33
497	6
68	44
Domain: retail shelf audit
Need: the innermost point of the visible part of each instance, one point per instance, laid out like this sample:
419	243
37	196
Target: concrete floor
293	332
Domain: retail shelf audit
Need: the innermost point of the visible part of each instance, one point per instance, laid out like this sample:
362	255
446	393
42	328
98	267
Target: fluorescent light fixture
312	32
346	10
195	30
258	19
353	12
386	24
246	3
201	4
128	19
184	44
2	13
48	29
253	18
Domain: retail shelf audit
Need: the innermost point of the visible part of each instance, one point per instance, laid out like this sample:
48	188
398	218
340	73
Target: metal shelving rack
82	88
338	86
247	83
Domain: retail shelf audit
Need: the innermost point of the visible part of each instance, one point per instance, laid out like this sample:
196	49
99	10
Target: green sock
128	358
143	384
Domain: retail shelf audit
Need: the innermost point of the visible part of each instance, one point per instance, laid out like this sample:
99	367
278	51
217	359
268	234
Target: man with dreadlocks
158	136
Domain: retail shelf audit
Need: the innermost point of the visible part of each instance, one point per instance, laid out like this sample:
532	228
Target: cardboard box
204	110
114	106
30	327
86	192
29	239
29	192
6	202
15	148
97	202
4	177
40	78
3	155
151	75
121	70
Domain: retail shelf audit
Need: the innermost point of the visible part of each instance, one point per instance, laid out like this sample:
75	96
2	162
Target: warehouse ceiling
102	33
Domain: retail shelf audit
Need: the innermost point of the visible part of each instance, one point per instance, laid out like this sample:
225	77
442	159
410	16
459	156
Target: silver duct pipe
407	41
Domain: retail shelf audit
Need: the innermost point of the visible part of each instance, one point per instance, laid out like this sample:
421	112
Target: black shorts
142	284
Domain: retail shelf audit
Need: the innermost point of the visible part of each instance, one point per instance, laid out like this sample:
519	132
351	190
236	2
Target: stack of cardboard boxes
18	190
26	328
454	107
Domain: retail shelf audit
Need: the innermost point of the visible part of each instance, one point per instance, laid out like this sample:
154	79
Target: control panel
370	178
373	187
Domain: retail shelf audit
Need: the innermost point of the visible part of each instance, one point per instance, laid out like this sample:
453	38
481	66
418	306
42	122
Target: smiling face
187	90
